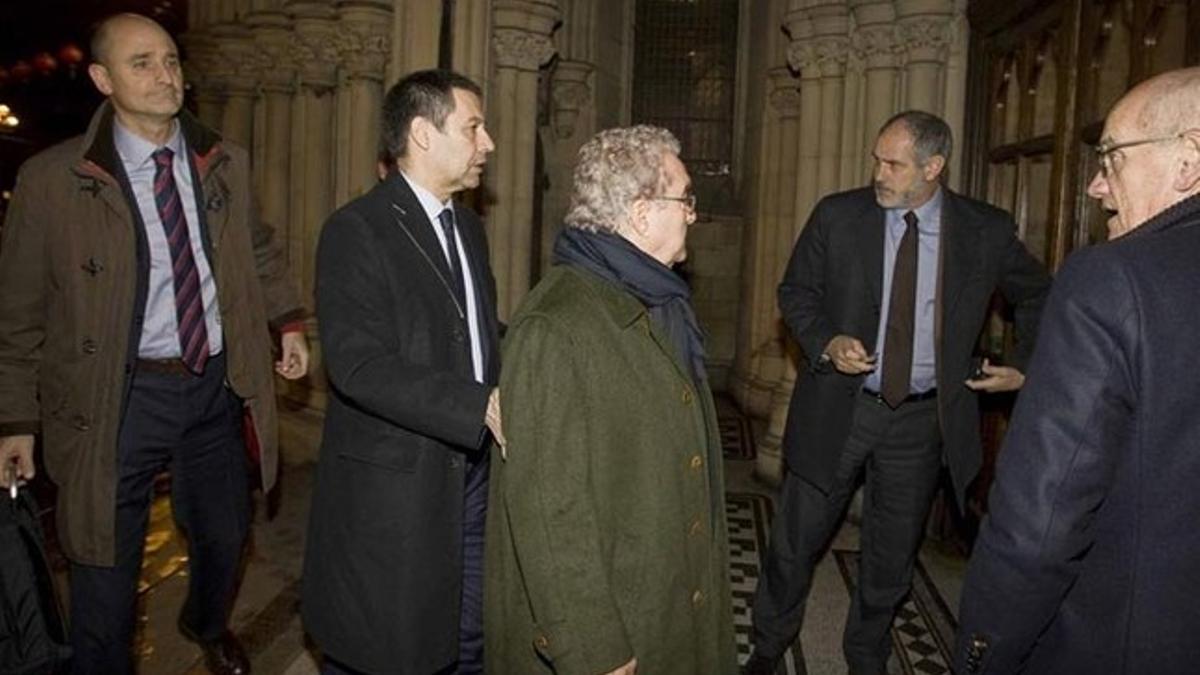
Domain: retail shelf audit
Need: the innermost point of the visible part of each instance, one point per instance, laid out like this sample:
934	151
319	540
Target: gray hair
930	133
617	167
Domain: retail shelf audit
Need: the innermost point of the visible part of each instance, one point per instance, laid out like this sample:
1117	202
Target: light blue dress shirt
433	208
160	328
929	227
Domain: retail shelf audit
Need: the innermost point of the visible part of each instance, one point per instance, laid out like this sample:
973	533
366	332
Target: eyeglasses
688	200
1105	150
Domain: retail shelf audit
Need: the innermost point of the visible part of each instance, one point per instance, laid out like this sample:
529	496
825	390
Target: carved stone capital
925	38
831	53
877	45
802	57
571	93
363	52
523	50
785	92
363	38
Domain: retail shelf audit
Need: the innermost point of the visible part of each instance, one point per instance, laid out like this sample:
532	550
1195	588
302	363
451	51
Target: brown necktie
898	338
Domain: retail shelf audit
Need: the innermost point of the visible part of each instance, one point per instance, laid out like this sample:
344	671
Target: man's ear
1187	178
419	131
933	168
100	78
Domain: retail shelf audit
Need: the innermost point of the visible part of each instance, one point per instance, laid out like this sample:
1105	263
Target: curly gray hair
617	167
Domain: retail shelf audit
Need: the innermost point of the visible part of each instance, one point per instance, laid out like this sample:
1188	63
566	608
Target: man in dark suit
1089	559
136	290
406	304
886	292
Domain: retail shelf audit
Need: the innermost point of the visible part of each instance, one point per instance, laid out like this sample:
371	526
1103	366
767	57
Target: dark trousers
900	453
190	425
470	633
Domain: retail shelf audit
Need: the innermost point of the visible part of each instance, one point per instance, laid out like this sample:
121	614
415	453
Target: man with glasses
1089	561
886	292
606	543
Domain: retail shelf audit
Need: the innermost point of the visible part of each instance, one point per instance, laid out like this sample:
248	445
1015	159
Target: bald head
1167	104
1150	150
110	30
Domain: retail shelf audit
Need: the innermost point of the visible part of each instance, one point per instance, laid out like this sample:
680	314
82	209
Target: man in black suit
886	292
1088	559
406	304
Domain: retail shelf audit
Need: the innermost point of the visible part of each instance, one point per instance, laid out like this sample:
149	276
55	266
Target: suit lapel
871	225
412	216
957	255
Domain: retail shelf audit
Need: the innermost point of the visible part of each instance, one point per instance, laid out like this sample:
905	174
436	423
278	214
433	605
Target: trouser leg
210	497
806	521
471	618
901	478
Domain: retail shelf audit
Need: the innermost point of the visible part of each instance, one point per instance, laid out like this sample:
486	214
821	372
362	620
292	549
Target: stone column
272	37
830	23
521	44
237	69
924	29
364	46
472	44
312	189
875	40
571	120
200	72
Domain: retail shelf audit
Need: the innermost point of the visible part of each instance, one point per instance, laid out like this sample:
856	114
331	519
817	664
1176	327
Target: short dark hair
425	93
930	133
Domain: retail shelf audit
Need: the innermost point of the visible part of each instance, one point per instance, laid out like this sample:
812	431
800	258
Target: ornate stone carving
363	52
785	92
571	93
926	38
877	45
831	53
802	57
521	49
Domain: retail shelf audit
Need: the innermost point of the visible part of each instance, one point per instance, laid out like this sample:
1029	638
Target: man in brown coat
136	285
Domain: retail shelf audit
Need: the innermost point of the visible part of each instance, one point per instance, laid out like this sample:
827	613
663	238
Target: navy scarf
666	296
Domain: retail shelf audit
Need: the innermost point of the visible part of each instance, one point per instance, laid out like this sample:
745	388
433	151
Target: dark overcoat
1089	560
606	531
833	285
383	566
74	266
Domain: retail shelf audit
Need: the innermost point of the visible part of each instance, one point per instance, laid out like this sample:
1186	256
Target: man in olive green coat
606	542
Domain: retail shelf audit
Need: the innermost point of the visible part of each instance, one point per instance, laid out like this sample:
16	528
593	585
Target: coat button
696	462
81	423
541	642
697	599
687	396
89	346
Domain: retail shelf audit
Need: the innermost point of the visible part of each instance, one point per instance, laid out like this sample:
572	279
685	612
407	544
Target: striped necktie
189	305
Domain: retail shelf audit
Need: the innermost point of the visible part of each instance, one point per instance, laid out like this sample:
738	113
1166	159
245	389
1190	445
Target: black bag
33	635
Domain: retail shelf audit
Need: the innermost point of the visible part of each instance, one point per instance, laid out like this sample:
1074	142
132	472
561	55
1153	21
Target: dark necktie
898	337
189	305
446	217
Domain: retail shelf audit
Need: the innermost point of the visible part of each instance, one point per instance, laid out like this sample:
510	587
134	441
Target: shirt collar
433	208
136	151
929	214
